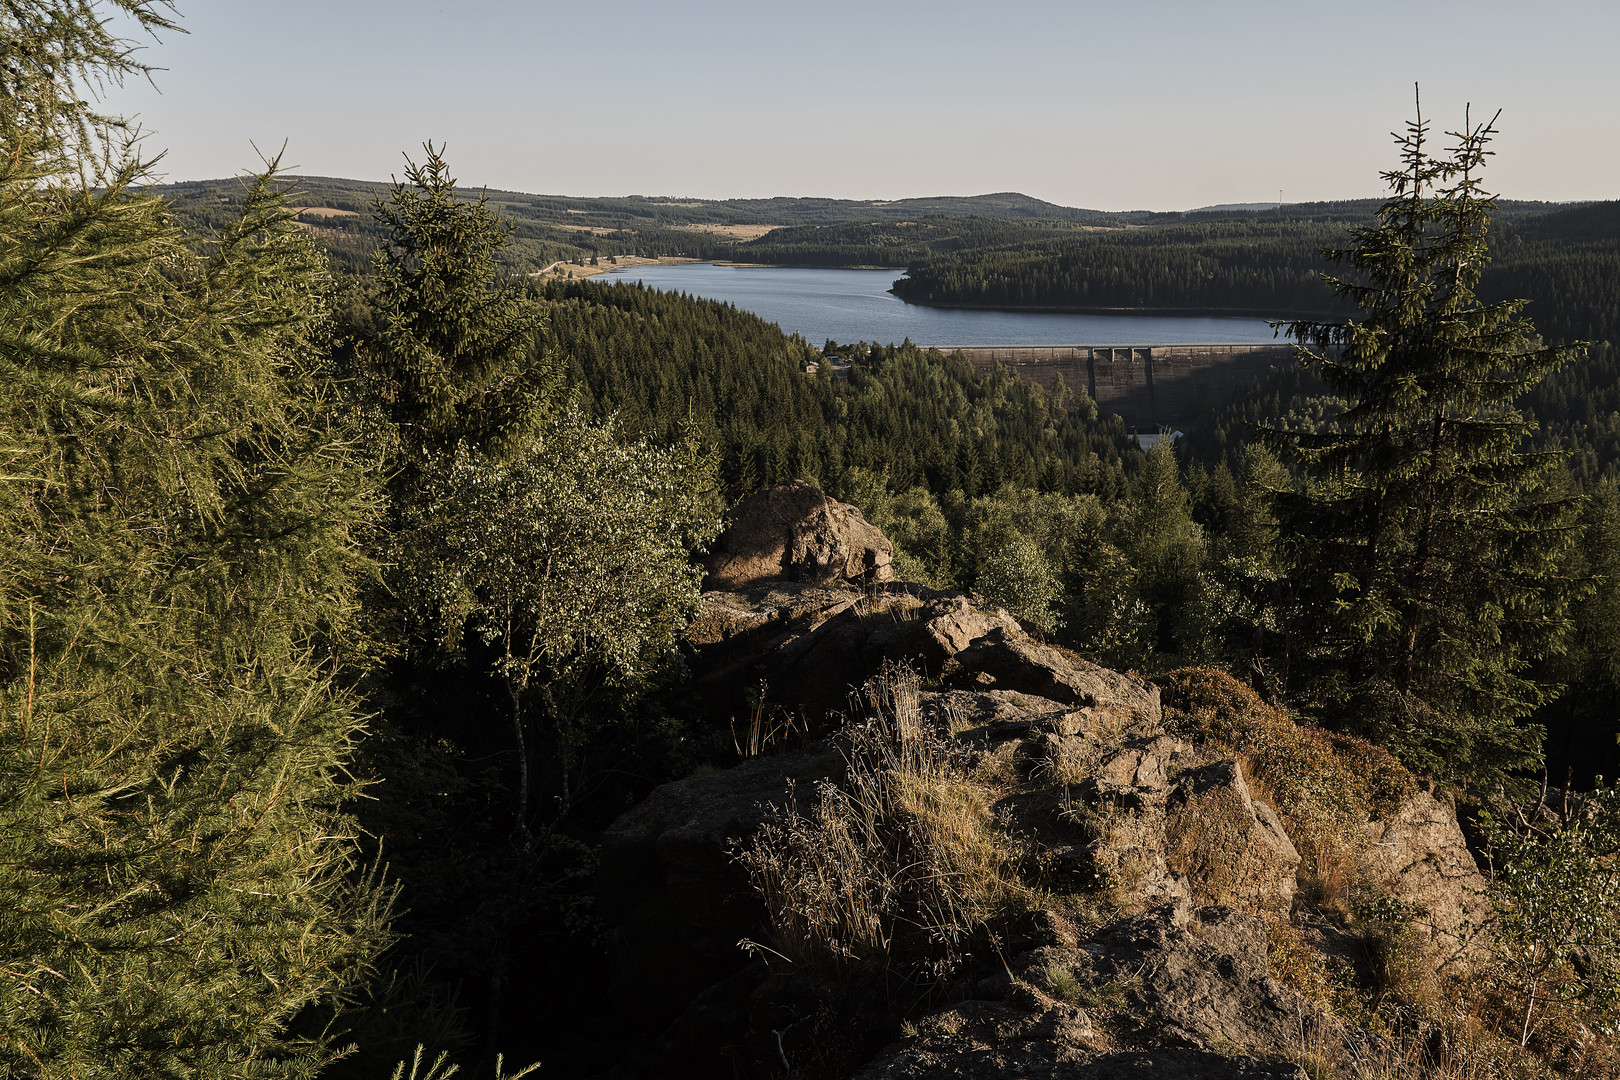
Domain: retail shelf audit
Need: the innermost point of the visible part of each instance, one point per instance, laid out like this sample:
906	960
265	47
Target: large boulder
1230	848
936	630
797	646
1418	855
796	533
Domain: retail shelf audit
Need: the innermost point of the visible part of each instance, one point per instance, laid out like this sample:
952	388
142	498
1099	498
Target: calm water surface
856	305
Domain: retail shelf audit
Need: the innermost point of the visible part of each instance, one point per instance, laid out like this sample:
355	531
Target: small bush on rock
1325	786
1019	578
1328	981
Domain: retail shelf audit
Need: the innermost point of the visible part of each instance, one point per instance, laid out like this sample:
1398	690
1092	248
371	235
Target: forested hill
948	239
550	228
999	250
1233	264
1564	261
1012	251
1268	262
1568	264
903	243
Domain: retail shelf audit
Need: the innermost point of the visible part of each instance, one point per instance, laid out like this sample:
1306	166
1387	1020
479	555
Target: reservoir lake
856	305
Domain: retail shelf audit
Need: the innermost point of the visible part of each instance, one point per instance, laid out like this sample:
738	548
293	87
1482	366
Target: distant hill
807	231
568	210
1005	204
549	228
1225	206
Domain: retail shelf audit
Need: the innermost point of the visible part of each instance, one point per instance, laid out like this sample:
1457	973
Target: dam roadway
1149	386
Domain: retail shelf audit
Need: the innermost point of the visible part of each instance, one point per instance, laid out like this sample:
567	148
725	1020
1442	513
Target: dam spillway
1149	386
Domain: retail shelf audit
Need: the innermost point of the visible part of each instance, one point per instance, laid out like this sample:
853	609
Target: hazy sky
1156	104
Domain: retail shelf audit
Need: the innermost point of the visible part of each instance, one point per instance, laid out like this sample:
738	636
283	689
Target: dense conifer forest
661	362
1012	252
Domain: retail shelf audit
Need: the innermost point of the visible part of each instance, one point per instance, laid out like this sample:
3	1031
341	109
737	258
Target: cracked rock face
1174	992
815	643
1418	855
1009	659
1229	848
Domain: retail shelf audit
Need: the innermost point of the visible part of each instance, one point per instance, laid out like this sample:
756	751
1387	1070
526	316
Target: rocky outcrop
805	643
1178	871
1154	818
1177	992
795	533
1418	855
812	644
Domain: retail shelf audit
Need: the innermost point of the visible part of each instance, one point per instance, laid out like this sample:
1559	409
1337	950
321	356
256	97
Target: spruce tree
1424	553
177	558
457	357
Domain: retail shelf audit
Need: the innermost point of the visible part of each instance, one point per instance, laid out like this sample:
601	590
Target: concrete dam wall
1150	386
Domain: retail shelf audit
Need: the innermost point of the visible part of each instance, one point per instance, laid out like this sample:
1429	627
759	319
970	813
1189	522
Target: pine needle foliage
1425	545
53	55
177	558
457	351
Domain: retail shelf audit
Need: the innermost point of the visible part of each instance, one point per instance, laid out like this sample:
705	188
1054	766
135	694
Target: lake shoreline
1168	312
800	266
581	273
841	304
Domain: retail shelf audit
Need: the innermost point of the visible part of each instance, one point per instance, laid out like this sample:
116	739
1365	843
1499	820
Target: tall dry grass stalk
1415	1044
896	866
769	726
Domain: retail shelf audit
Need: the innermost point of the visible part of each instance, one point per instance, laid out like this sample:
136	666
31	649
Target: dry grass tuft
1066	762
899	865
1416	1044
888	607
1400	962
769	726
1062	985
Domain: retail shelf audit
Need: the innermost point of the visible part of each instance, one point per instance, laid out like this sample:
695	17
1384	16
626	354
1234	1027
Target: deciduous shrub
1019	578
1555	901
